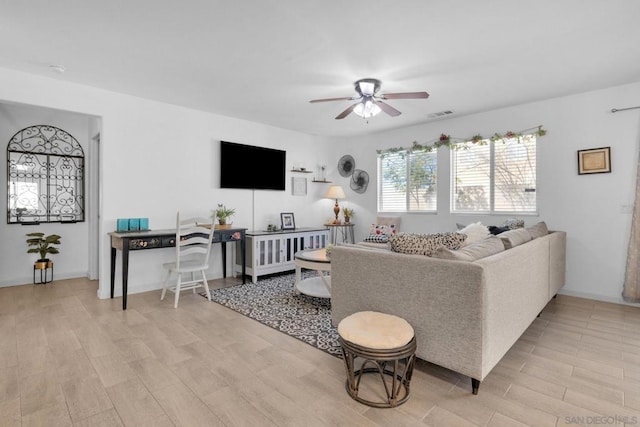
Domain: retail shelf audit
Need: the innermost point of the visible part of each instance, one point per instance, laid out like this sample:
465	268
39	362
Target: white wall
157	158
588	207
16	264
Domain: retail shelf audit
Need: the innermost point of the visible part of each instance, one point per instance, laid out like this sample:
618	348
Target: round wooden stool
387	345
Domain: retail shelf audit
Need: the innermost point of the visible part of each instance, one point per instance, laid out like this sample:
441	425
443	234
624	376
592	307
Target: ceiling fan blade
388	109
406	95
345	98
346	112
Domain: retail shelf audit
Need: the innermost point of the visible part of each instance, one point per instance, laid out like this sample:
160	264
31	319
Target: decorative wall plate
346	165
359	181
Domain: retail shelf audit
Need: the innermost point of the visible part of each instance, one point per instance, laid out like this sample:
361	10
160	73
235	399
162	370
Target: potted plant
43	245
222	214
348	213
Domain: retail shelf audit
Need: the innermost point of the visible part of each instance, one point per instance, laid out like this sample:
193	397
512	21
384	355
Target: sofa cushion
513	238
382	229
377	238
424	244
538	230
475	232
476	250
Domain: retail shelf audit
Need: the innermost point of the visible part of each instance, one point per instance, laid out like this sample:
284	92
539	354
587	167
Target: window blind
407	182
496	177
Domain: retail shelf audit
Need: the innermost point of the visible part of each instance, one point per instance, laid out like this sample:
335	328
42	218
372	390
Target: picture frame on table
287	221
594	160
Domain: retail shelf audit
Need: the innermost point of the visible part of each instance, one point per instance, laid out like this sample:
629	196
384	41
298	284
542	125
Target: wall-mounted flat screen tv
252	167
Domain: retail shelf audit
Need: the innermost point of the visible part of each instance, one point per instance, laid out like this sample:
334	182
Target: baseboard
597	297
29	279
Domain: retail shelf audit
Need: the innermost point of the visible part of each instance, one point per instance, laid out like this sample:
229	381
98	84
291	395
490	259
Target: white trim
597	297
28	280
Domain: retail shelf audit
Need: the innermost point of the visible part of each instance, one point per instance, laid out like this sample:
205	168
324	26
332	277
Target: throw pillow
513	223
475	232
382	229
513	238
377	238
483	248
538	230
424	244
495	230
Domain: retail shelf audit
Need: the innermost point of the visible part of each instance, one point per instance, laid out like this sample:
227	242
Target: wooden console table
142	240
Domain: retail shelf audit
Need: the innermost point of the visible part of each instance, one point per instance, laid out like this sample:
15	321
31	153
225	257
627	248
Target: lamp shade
366	109
335	192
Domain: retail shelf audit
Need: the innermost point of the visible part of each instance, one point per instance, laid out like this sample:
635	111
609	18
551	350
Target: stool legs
377	361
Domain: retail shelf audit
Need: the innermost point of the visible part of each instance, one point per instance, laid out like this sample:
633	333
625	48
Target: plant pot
42	264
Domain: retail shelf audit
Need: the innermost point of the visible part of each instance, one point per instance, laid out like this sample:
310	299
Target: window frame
52	160
492	168
407	154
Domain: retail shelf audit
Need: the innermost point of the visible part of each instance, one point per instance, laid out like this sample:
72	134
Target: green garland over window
455	143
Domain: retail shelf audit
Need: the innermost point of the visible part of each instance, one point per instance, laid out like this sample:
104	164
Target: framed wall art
594	160
287	221
299	186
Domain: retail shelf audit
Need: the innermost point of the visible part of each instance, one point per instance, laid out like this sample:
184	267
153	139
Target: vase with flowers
348	213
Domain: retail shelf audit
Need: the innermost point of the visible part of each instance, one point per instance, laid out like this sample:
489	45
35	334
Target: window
495	177
45	176
407	181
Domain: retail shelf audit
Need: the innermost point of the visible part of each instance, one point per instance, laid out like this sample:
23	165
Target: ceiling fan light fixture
370	103
366	87
367	108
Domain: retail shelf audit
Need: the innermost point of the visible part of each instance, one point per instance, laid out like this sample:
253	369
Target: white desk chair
193	247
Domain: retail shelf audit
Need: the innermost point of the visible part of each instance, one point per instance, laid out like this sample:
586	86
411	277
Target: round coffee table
313	259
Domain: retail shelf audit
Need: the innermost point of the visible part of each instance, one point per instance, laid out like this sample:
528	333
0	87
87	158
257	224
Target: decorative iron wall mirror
45	176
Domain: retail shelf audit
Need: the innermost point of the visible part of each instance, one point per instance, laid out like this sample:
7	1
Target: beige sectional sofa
466	314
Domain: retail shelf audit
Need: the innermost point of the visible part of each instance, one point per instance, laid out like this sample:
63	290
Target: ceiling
263	60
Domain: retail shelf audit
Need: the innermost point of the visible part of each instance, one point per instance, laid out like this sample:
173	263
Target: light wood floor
68	358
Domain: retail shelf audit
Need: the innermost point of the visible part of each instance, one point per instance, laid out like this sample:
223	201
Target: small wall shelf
321	181
301	171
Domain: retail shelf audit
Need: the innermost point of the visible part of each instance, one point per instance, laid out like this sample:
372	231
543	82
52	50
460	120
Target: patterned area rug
273	302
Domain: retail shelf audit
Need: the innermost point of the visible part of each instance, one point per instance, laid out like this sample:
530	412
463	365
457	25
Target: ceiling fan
370	102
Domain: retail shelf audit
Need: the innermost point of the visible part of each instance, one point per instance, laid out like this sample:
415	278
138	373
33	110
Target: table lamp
335	192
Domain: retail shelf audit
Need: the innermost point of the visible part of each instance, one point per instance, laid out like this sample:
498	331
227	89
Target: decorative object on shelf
346	165
122	224
272	227
348	213
222	214
299	186
594	160
132	224
359	181
287	221
335	192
